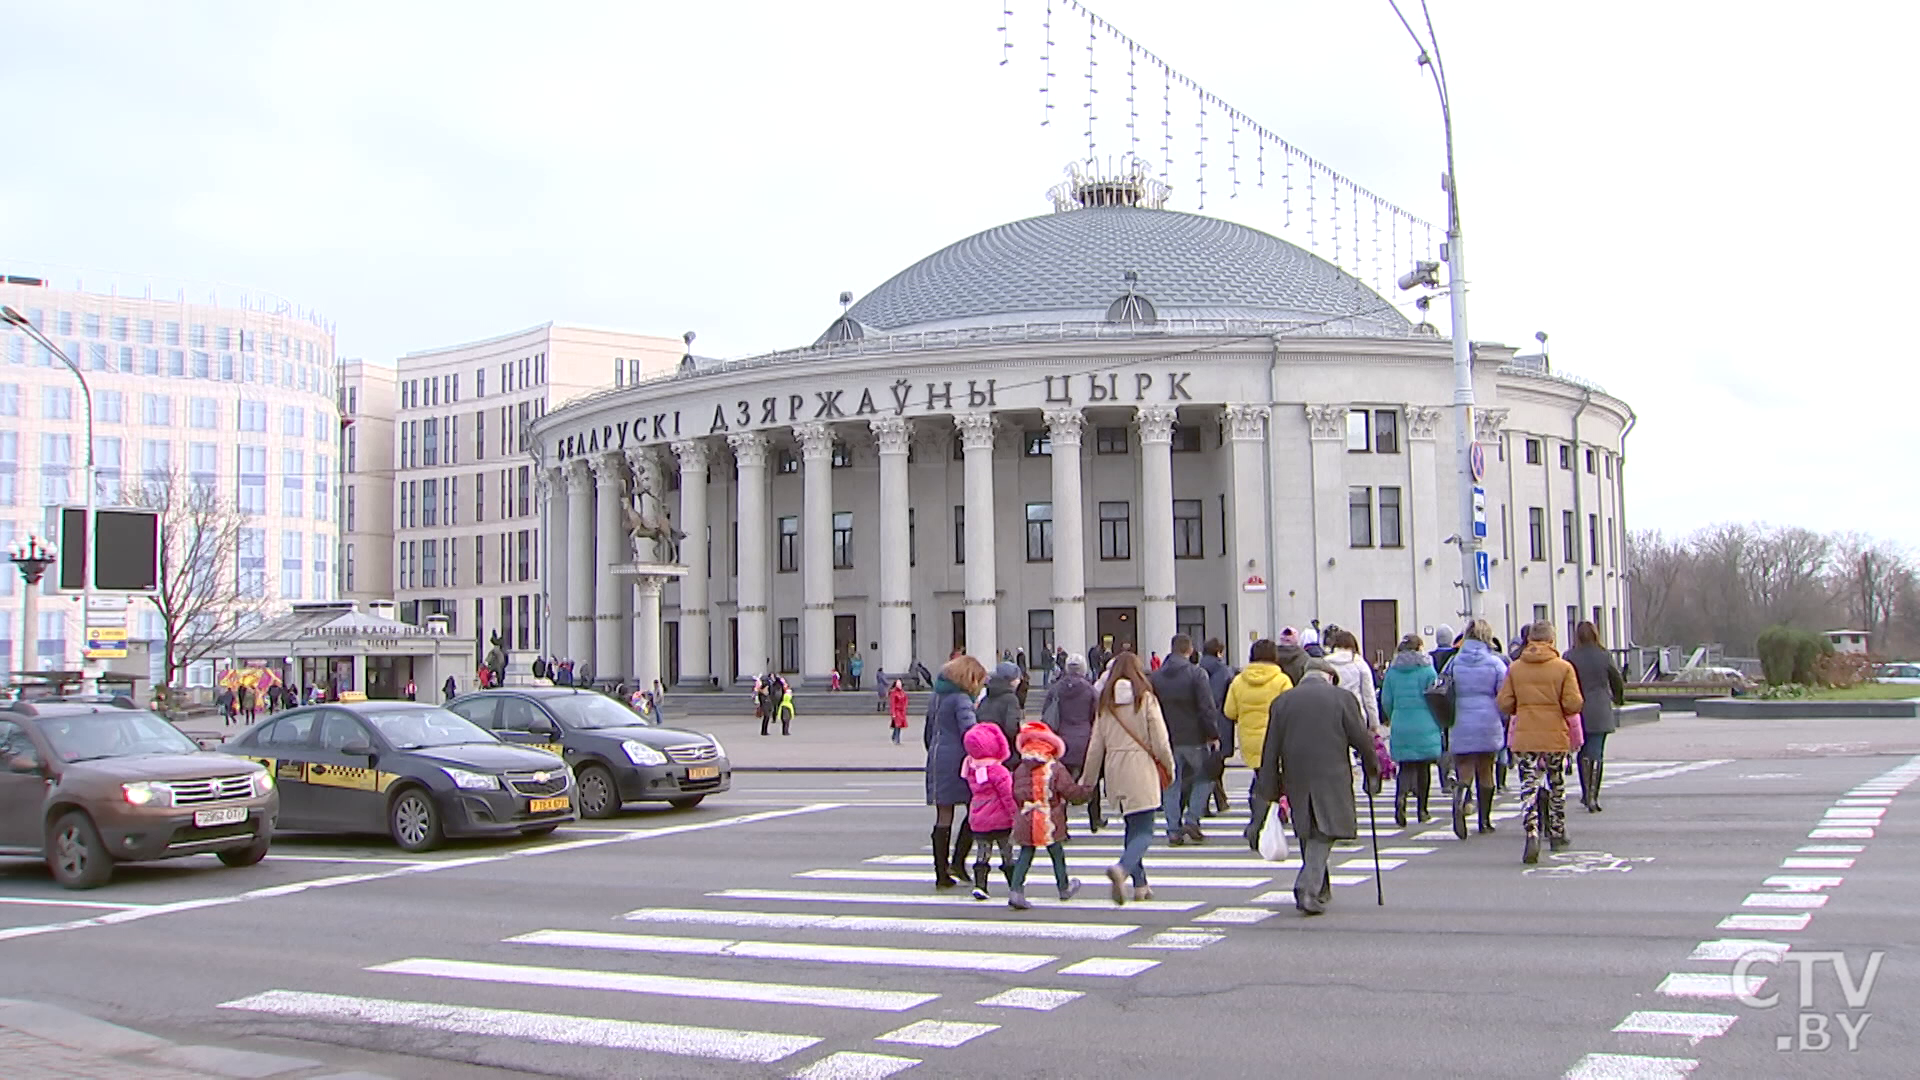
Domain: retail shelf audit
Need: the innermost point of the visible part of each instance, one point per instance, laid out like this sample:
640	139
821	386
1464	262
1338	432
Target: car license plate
230	815
703	772
547	806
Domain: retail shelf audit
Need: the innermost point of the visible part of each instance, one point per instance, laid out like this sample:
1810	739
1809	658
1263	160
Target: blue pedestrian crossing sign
1479	512
1482	571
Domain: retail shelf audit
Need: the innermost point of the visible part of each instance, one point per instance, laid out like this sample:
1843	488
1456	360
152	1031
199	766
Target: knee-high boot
942	846
1400	784
1599	773
1486	810
1586	783
963	846
1422	789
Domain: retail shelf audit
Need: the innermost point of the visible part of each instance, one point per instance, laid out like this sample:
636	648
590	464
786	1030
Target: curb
129	1053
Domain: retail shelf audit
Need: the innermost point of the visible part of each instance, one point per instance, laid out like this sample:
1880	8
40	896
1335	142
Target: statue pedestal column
520	669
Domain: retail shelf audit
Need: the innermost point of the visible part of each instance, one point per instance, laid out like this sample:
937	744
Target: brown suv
86	784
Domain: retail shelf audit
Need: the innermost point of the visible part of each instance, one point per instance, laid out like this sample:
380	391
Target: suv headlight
641	754
472	781
147	793
262	783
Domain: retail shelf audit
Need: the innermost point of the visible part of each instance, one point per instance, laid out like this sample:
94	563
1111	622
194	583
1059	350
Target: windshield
119	733
412	729
592	710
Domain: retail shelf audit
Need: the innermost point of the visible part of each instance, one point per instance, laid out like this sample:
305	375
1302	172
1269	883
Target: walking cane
1373	826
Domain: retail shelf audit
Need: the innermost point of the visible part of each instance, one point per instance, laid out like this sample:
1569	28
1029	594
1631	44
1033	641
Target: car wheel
599	795
414	821
76	854
687	803
246	856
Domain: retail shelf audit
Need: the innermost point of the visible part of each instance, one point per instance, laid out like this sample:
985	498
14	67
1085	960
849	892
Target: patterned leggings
1543	776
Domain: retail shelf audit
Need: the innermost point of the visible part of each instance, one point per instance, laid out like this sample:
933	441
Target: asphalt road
755	937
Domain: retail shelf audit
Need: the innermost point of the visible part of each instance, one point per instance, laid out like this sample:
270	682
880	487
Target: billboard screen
126	556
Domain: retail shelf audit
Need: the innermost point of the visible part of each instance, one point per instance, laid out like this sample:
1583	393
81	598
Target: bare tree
1872	577
1657	569
203	600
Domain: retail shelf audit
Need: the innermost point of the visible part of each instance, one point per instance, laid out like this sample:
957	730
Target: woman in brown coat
1540	693
1130	750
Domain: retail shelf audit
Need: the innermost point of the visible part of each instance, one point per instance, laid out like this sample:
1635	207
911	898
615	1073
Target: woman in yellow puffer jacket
1248	697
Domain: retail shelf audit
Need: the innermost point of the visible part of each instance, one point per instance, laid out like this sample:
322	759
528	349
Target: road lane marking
719	1044
809	896
1840	834
1735	948
877	924
1860	813
831	997
1879	800
942	1033
1368	864
1692	1026
1407	850
1235	916
116	917
1109	967
274	856
1802	882
950	959
1836	849
1031	999
851	1065
1692	984
1169	880
1630	1067
1179	940
1785	900
1773	923
1801	863
98	905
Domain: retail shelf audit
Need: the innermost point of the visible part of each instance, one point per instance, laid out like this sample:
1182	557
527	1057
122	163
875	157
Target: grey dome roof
1071	267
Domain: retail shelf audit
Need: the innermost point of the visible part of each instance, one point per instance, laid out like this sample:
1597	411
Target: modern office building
234	395
367	396
467	520
1113	421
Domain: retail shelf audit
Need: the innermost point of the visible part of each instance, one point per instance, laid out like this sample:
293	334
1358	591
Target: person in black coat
1193	728
1314	732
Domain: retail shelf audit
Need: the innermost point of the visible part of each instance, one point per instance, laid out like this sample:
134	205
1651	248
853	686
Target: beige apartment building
367	396
468	495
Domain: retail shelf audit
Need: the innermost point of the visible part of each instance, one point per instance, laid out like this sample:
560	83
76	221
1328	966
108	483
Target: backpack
1440	696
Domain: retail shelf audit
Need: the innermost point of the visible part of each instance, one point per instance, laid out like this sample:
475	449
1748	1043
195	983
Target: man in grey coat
1313	733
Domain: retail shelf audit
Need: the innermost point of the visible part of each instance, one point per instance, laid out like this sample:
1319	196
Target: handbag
1439	698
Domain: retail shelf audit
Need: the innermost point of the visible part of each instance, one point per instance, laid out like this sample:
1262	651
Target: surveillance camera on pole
1423	275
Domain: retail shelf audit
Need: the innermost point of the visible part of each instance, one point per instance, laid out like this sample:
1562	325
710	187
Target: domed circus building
1114	420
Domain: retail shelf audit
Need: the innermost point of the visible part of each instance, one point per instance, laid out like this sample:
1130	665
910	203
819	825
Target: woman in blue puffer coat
1479	729
1415	735
955	692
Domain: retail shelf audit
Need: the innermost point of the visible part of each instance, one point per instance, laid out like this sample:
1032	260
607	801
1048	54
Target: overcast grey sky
1697	201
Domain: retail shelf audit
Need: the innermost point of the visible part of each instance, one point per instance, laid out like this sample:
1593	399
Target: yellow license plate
547	806
703	772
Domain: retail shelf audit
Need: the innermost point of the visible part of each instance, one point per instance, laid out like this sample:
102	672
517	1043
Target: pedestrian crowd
1149	739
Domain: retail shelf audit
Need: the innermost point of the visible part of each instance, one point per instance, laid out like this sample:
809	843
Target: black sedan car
617	757
416	772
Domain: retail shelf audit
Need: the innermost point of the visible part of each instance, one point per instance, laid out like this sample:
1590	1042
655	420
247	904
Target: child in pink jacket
990	814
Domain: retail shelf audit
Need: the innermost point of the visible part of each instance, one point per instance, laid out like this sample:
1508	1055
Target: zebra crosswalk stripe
666	985
1158	879
876	924
810	896
950	959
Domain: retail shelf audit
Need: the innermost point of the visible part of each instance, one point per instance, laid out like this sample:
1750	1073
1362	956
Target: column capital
976	430
641	458
608	469
1327	421
579	477
650	587
1245	423
749	449
693	454
891	434
816	440
1420	421
1155	423
1064	427
1488	423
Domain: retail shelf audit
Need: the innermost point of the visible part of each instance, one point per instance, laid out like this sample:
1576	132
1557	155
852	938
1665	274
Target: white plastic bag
1273	836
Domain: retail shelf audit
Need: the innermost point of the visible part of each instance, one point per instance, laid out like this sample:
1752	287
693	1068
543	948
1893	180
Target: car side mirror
358	748
24	764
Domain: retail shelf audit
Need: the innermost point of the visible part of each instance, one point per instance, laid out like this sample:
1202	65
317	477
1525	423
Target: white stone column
643	464
816	554
646	632
750	456
1155	424
1064	428
695	634
1248	527
579	639
893	435
554	559
1435	598
1327	428
976	442
611	548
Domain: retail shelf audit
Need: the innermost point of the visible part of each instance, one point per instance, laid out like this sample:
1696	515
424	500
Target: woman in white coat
1356	677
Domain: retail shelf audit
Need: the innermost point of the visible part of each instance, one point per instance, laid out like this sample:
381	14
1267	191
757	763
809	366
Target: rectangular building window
525	485
429	503
348	567
1386	431
1591	469
10	399
430	565
1359	431
1536	534
156	410
203	413
785	462
9	471
523	555
156	461
291	565
1036	444
789	544
1116	531
293	483
1039	532
1189	531
479	434
841	456
430	441
1533	451
250	551
843	540
56	403
56	469
1539	615
1186	439
1040	637
1191	620
253	415
1569	544
108	463
959	534
1566	456
1390	517
479	498
1360	517
1609	458
203	466
1110	440
352	509
252	469
1593	543
790	646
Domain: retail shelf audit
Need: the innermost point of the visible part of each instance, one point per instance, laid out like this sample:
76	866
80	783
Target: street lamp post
1455	255
87	664
32	557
